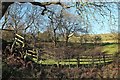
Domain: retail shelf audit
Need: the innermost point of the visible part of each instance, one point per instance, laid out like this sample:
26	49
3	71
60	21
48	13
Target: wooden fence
83	60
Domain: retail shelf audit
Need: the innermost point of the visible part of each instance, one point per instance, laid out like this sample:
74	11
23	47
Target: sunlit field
59	40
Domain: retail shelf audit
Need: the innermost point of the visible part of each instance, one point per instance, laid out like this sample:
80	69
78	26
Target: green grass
72	61
110	49
107	37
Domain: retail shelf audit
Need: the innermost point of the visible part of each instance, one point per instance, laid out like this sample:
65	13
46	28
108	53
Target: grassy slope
108	37
63	62
109	49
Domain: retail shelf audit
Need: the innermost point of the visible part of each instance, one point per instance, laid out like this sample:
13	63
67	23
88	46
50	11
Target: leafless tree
15	17
55	24
70	26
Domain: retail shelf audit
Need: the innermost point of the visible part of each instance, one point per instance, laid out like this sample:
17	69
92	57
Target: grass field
108	48
71	61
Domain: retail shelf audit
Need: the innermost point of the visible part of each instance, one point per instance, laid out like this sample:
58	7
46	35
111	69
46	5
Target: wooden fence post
104	59
99	60
78	62
92	60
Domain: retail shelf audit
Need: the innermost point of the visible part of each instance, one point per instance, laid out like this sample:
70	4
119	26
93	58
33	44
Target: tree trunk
55	40
66	41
